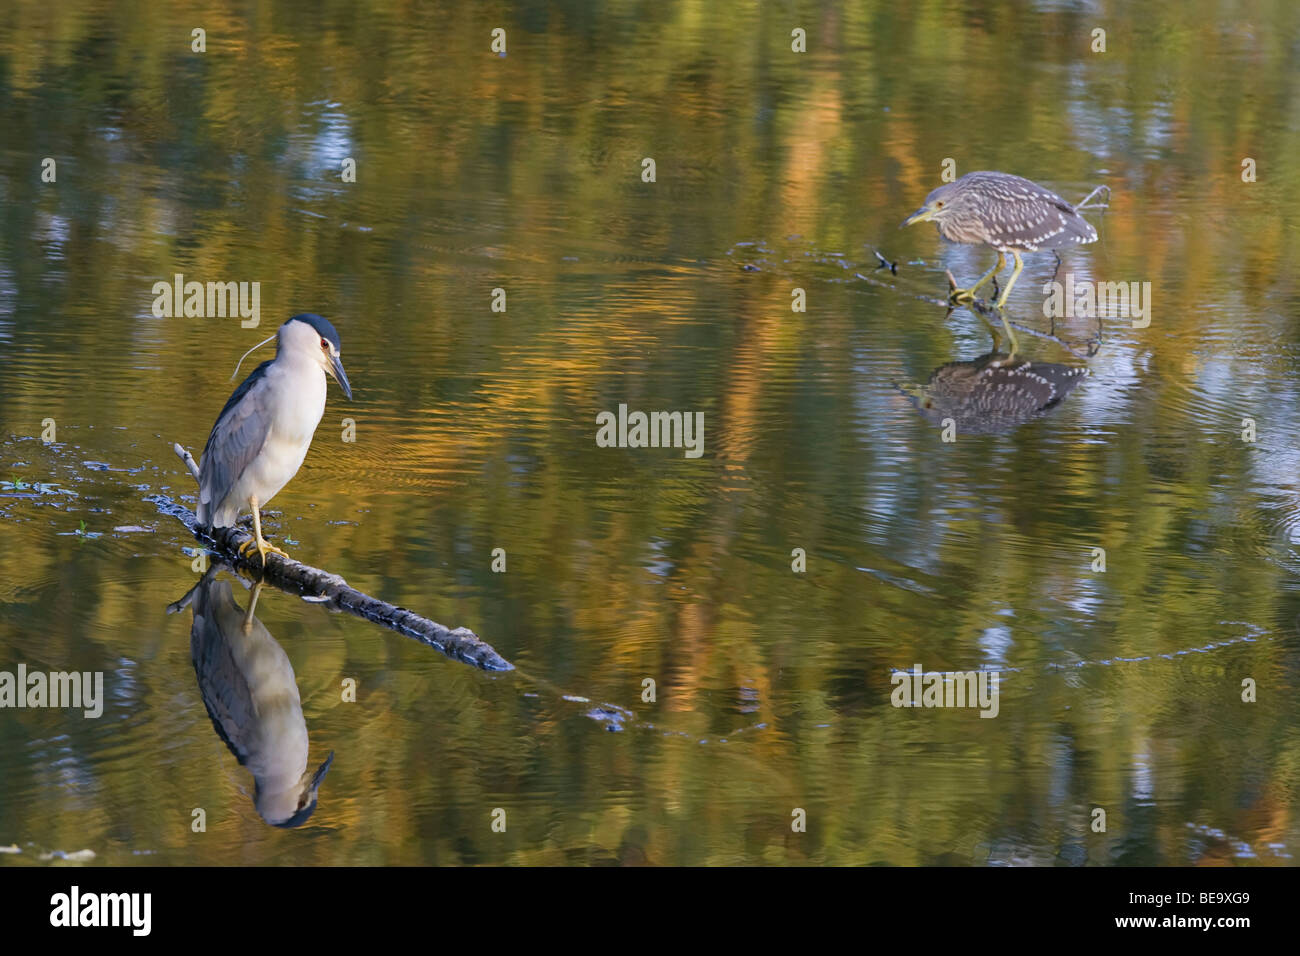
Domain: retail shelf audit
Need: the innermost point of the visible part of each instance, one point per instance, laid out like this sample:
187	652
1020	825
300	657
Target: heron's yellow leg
1003	299
967	294
261	544
1015	273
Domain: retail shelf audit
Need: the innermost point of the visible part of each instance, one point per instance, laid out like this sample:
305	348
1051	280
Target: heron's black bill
340	376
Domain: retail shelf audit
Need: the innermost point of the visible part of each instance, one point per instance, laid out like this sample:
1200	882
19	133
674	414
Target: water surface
475	430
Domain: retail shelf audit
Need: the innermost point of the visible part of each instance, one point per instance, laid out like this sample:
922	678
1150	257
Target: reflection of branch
1091	346
314	584
983	309
184	601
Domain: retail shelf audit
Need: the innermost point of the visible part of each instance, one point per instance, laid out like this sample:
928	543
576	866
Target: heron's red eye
324	343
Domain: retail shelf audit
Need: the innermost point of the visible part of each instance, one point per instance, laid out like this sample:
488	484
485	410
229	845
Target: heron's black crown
322	326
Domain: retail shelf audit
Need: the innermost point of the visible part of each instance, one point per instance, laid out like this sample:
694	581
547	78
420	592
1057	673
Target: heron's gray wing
1077	230
1027	212
236	439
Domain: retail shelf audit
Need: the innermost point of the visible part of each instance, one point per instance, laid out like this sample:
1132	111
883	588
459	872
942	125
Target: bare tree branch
294	577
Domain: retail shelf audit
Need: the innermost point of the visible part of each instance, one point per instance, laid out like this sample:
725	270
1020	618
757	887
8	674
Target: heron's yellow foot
262	547
968	295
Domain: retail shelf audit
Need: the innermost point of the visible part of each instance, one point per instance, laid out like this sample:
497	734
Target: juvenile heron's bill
921	215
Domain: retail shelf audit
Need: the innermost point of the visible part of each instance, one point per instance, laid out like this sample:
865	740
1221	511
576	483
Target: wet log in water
330	589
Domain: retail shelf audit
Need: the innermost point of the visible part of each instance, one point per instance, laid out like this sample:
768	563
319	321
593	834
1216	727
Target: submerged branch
321	586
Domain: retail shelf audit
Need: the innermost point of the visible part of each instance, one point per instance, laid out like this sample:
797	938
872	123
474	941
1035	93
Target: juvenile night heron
262	435
1008	213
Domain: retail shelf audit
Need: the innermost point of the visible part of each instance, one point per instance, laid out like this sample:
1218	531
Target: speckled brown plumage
1008	213
988	394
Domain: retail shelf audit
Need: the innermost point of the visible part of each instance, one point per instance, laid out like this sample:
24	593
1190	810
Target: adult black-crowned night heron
262	435
1007	212
993	393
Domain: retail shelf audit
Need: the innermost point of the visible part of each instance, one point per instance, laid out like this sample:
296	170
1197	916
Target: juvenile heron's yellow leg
1020	264
1003	299
964	295
261	544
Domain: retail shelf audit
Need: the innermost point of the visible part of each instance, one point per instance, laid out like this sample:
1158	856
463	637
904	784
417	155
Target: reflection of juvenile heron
251	694
992	394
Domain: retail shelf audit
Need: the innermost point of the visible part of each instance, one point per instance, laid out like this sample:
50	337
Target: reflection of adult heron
993	393
251	694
